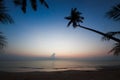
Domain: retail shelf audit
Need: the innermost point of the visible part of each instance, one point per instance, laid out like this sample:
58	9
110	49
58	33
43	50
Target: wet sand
63	75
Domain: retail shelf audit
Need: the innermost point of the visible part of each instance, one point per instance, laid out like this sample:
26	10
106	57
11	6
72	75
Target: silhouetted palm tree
75	18
23	4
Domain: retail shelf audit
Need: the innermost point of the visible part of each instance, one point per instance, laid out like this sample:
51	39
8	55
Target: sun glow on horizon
65	43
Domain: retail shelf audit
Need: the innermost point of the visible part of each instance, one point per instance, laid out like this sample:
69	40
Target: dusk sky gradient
45	31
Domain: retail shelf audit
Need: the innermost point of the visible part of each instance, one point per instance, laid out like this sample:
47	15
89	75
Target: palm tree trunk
101	33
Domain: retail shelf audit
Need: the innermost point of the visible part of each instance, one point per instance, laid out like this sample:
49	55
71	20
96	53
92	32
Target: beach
60	70
62	75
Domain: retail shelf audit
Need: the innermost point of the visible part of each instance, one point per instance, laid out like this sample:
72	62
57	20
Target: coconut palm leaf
114	13
2	7
115	49
34	4
17	2
44	2
109	34
2	41
23	4
4	16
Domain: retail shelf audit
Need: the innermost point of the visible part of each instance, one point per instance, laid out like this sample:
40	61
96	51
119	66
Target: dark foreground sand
62	75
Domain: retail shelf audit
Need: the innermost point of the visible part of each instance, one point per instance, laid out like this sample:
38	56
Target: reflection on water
52	65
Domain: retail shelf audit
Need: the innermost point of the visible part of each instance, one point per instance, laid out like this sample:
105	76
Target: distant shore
103	74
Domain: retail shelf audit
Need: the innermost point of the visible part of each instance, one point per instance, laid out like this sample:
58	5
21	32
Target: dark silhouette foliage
44	3
4	16
23	4
34	4
2	41
110	34
115	49
114	13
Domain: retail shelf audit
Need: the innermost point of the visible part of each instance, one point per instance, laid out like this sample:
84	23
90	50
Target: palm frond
23	4
44	2
34	4
109	34
114	13
2	41
69	23
4	16
17	2
2	6
115	49
68	18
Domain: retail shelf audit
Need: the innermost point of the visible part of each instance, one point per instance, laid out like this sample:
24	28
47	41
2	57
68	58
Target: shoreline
62	75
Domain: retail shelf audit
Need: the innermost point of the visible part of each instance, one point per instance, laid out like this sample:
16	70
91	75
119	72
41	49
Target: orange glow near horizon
61	54
64	44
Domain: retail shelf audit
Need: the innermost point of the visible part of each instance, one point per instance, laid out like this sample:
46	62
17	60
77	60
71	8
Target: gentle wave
24	66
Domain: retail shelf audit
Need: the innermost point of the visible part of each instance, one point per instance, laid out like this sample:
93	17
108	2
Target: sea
54	65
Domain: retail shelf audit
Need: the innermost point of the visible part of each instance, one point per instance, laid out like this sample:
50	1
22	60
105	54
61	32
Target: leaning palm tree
23	4
75	19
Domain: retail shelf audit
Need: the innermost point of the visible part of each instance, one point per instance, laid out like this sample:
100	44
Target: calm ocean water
50	65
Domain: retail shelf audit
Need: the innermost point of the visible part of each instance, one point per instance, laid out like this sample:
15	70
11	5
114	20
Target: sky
44	32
